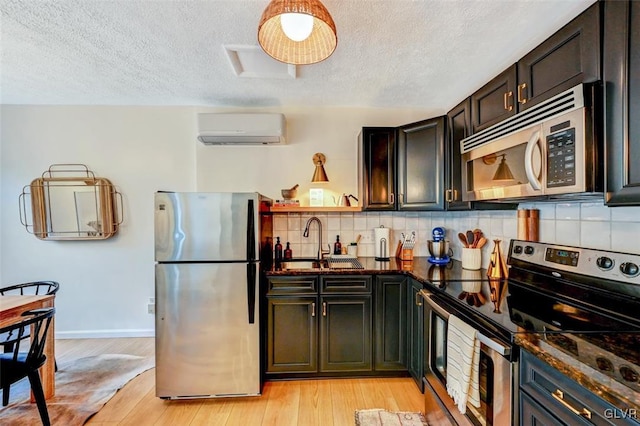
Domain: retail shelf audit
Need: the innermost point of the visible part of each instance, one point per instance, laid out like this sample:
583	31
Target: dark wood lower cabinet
345	333
319	325
336	325
391	323
292	334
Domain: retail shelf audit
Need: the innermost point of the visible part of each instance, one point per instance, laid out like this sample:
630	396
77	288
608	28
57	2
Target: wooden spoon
481	242
470	238
476	237
463	239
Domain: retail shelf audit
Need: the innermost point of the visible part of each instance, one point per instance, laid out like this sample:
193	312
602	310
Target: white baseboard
102	334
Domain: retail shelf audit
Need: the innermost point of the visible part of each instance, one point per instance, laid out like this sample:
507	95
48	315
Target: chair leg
5	396
38	393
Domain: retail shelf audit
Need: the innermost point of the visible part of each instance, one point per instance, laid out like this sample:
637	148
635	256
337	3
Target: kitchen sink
304	264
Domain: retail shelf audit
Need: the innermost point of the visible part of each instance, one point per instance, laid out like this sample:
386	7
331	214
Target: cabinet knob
522	96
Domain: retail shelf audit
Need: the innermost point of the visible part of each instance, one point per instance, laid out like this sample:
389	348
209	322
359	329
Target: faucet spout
305	234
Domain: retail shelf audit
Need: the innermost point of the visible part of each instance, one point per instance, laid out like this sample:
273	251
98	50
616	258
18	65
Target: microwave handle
528	160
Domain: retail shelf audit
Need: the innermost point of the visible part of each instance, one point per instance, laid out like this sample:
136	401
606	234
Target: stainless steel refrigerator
208	260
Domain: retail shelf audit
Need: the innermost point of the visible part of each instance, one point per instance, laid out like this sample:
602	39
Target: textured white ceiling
394	53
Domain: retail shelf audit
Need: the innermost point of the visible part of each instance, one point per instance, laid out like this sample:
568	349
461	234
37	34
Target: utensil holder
471	258
407	254
352	250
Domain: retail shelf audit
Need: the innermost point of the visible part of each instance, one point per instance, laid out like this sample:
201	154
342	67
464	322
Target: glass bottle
278	249
337	246
288	253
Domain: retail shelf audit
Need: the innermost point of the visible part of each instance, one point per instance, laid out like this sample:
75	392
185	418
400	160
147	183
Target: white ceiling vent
241	129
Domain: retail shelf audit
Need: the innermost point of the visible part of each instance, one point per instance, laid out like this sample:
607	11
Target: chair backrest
34	287
40	319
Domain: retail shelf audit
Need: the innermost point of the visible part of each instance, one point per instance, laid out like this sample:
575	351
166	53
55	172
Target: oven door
497	375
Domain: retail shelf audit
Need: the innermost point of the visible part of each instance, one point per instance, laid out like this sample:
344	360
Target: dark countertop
452	279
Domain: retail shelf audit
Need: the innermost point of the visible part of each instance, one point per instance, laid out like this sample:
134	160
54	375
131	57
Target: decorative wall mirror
70	203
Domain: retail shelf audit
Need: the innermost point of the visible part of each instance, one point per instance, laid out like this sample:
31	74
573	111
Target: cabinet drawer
292	285
345	284
565	398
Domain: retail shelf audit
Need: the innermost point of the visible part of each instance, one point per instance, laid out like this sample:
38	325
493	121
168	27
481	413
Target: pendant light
298	32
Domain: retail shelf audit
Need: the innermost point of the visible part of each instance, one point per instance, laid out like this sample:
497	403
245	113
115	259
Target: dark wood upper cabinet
494	101
569	57
421	165
459	126
621	70
377	165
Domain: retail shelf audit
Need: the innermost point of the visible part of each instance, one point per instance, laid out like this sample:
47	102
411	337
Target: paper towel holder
381	240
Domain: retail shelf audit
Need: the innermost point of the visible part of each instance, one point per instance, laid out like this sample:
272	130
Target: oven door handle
493	344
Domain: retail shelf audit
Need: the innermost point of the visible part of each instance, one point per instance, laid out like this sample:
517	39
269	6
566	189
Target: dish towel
463	363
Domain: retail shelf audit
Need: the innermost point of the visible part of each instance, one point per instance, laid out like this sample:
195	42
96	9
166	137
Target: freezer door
201	226
207	330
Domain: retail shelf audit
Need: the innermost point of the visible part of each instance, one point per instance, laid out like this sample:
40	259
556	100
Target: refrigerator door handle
251	232
251	292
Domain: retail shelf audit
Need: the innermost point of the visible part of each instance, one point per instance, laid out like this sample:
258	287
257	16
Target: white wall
105	285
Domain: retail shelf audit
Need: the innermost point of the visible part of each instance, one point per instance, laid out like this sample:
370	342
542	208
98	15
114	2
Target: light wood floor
303	402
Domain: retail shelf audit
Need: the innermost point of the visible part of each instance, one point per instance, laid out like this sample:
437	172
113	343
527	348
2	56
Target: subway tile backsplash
587	224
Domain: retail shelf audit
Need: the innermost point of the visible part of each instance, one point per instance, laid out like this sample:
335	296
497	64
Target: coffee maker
438	247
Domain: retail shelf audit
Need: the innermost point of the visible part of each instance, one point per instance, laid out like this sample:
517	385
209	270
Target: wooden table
11	307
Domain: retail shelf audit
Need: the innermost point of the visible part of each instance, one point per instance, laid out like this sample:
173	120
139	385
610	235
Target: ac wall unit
241	129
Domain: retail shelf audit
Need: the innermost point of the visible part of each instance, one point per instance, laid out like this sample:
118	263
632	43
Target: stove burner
604	364
628	374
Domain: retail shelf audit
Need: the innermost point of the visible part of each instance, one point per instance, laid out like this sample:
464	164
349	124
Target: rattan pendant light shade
317	47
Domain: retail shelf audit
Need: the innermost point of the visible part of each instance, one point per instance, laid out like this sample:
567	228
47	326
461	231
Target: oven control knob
605	263
629	269
528	250
517	249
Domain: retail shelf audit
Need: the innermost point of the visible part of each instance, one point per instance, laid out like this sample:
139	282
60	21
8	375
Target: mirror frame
39	190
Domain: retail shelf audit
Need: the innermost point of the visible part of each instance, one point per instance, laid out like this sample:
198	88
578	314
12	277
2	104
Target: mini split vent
241	129
564	102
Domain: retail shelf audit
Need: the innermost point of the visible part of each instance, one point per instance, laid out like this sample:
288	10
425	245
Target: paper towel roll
382	244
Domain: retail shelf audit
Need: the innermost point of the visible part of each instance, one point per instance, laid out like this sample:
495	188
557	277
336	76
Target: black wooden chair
16	365
7	340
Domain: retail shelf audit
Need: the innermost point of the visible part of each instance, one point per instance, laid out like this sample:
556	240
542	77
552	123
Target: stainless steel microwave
549	150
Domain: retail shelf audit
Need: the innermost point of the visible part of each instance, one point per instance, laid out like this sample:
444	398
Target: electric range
582	303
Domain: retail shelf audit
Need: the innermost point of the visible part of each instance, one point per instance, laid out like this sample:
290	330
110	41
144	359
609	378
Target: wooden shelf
315	209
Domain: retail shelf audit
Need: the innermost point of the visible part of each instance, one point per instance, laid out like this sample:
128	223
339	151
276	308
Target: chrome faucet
305	234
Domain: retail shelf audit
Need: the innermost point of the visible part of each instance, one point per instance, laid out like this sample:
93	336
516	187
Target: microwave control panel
561	157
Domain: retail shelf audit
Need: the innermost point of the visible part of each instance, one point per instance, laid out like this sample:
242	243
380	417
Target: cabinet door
459	127
533	414
377	168
622	99
569	57
345	333
415	324
421	165
494	101
391	323
292	339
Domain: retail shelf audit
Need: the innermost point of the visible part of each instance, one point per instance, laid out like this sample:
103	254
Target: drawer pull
558	395
313	309
324	309
418	299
